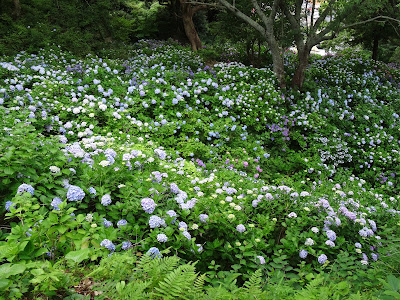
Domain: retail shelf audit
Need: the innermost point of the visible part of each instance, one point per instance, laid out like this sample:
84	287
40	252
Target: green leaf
8	270
37	272
8	170
393	282
78	256
41	251
4	284
65	218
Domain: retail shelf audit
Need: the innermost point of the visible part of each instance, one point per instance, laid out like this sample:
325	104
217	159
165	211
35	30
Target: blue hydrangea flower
25	188
106	200
110	152
183	225
107	223
187	235
162	238
148	205
161	153
203	218
55	203
154	252
171	213
174	188
122	222
156	221
126	245
75	193
108	244
92	191
8	205
374	256
365	257
303	253
331	235
330	243
322	259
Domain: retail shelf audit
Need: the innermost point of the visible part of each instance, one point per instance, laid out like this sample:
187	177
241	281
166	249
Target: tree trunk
278	67
190	29
300	73
17	9
375	48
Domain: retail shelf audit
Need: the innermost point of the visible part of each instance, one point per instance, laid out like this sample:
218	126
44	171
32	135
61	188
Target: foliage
160	152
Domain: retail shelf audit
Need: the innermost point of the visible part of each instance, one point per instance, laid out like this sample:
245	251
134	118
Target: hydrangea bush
162	152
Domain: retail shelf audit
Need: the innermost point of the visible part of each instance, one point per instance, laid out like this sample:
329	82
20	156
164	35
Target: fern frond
135	290
177	282
198	283
314	290
254	282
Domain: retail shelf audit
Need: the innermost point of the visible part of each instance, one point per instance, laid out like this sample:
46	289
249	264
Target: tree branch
266	20
195	3
199	7
370	20
244	17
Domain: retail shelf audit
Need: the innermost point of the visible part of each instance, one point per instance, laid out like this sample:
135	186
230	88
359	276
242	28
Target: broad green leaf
8	270
78	256
4	284
41	251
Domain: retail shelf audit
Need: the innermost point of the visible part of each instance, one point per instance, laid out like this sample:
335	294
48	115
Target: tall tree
187	9
371	35
324	25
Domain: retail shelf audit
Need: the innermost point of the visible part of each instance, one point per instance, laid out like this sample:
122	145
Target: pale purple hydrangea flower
110	152
331	235
161	153
171	213
203	218
374	256
322	259
106	200
358	245
231	190
292	215
174	188
187	235
154	253
330	243
365	232
148	205
122	222
240	228
107	223
75	193
183	225
303	253
25	188
55	203
162	238
156	221
92	191
126	245
8	205
260	260
108	244
373	225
